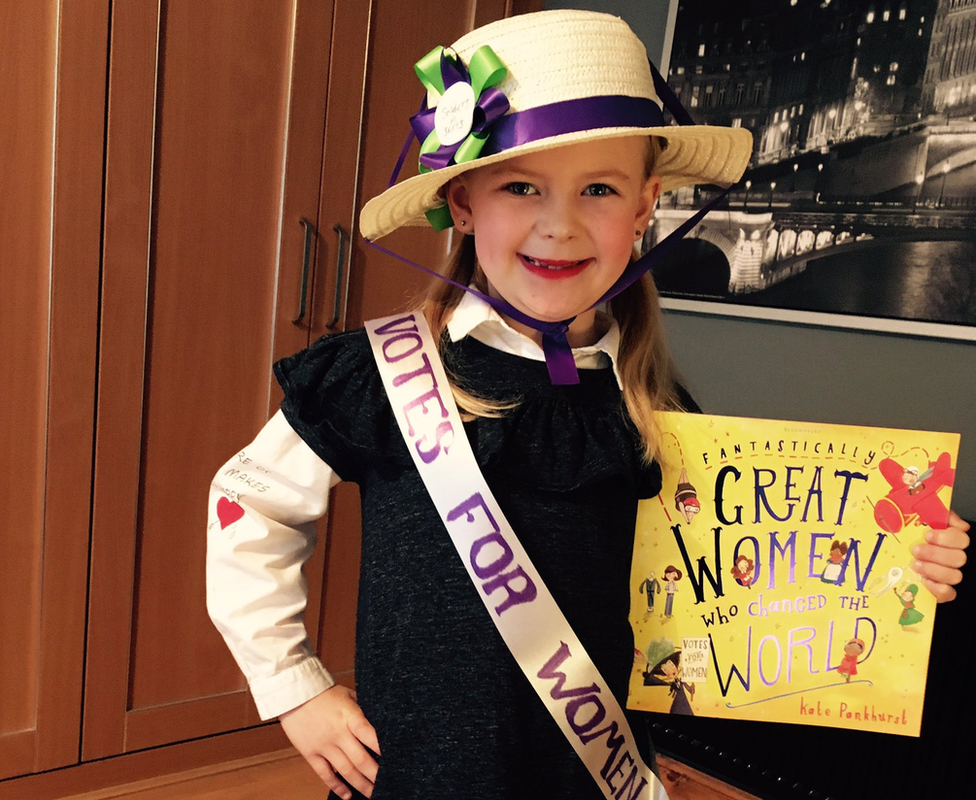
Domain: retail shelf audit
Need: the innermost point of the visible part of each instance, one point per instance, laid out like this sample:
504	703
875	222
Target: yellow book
772	577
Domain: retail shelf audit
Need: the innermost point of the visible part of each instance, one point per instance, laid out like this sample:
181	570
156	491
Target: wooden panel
215	133
340	163
52	63
191	719
17	753
27	71
146	765
128	185
220	149
76	236
685	783
281	774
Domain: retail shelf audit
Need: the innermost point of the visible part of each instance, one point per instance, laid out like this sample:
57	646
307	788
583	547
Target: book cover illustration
772	577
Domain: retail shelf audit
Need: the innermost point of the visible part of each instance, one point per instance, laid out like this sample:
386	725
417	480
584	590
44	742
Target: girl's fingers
362	761
936	573
943	593
351	772
954	538
955	521
324	770
365	733
939	556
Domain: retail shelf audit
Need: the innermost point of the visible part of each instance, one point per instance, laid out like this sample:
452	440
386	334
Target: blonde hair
646	373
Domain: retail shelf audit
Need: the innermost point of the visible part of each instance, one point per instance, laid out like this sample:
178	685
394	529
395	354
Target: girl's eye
520	188
598	190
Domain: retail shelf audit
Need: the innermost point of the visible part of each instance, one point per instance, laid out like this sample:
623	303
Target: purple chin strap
636	113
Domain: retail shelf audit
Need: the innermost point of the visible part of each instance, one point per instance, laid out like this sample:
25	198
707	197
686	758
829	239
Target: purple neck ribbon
559	355
511	130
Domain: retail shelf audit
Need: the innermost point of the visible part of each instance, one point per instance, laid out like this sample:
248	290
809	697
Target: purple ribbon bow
491	104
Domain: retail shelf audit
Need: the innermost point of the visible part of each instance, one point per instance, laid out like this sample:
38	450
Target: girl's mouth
549	268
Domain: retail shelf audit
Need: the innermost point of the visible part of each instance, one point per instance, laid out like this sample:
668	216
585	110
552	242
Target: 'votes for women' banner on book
772	577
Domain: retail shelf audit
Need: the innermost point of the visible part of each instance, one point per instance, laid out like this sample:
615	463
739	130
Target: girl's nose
558	219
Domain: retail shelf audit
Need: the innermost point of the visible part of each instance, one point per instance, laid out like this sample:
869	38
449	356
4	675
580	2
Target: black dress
454	715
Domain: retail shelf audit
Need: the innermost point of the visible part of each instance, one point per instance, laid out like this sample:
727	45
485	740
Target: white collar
475	318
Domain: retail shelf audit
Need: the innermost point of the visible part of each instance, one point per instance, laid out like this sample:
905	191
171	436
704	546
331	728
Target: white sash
517	600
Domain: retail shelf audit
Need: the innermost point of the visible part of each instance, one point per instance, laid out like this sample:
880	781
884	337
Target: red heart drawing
228	512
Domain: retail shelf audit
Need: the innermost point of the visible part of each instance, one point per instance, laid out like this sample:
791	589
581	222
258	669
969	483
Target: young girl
671	576
549	167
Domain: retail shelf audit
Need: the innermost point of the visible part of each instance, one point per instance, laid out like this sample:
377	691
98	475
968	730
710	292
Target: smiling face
853	648
554	230
670	670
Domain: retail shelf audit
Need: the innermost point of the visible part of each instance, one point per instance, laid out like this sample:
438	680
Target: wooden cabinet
163	157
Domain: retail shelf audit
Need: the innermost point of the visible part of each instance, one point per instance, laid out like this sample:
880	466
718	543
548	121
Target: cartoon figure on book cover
852	652
742	571
686	497
666	671
835	563
672	575
650	586
909	615
913	498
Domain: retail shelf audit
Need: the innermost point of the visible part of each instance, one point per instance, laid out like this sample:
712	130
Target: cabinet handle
340	260
305	265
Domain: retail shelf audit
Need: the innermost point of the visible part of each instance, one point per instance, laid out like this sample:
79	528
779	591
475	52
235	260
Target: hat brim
695	154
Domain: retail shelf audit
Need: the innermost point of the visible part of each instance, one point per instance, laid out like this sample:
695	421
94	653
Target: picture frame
858	209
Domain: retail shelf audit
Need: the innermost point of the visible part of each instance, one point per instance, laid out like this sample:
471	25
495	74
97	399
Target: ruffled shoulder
556	438
335	400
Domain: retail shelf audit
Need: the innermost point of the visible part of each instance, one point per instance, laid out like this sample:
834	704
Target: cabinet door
215	127
52	110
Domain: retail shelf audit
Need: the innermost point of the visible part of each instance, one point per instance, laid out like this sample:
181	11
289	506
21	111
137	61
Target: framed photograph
858	208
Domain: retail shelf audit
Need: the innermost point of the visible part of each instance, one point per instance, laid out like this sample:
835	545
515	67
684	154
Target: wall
772	369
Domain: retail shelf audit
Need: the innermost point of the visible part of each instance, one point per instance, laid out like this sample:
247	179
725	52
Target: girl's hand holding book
940	559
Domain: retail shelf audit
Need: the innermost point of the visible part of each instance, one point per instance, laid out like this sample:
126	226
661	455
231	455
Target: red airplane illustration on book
913	498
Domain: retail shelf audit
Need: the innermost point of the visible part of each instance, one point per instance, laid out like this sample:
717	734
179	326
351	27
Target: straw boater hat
569	76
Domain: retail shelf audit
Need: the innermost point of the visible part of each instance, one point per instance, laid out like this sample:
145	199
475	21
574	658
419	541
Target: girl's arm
263	505
262	508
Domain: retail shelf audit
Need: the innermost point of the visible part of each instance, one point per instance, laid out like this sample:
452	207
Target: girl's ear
649	197
456	194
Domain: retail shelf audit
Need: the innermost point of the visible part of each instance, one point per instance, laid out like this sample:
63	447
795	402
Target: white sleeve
261	530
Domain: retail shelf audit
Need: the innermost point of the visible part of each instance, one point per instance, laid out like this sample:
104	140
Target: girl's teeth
537	263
